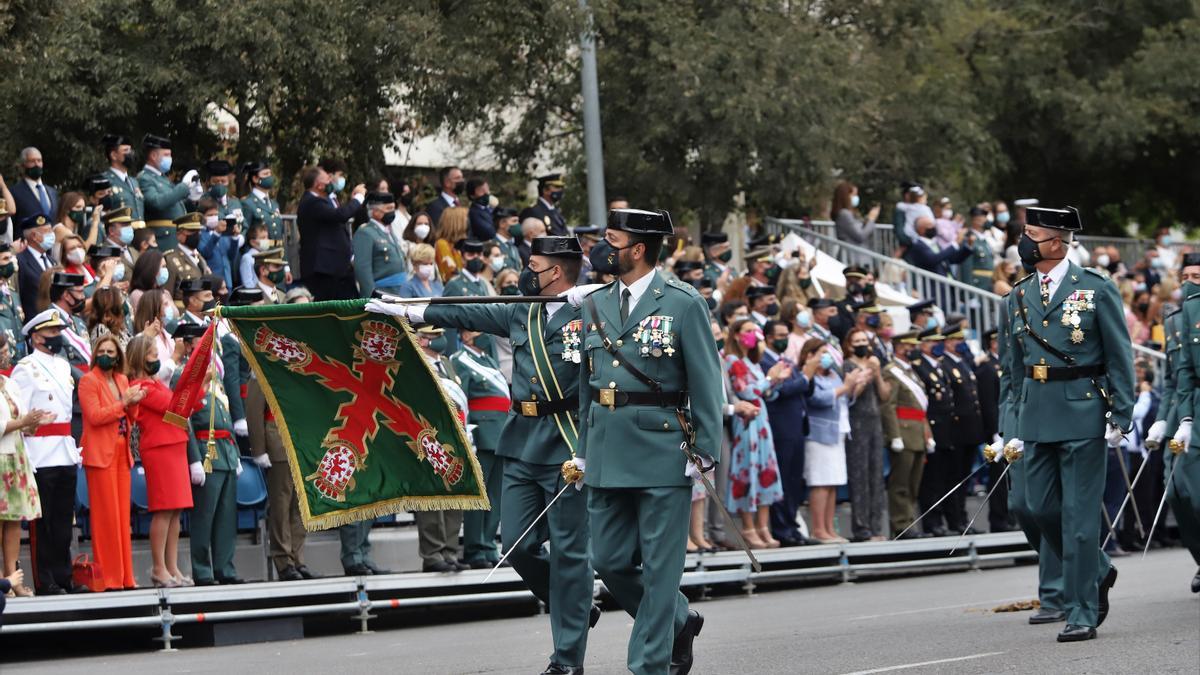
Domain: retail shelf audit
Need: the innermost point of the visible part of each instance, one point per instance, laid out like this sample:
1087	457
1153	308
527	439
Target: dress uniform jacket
976	269
1183	488
214	516
556	224
259	208
183	266
163	201
12	319
464	284
967	418
127	192
940	412
903	414
378	256
488	405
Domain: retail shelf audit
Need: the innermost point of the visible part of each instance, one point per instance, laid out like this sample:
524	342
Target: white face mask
1102	260
425	271
262	244
211	222
75	257
421	230
497	264
947	214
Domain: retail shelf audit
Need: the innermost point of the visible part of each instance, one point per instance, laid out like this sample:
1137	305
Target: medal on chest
1073	306
570	338
654	337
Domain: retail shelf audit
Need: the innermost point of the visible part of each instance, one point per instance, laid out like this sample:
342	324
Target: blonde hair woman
451	229
424	281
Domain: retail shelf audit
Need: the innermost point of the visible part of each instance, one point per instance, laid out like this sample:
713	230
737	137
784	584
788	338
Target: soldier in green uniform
976	270
220	182
126	191
164	200
379	262
1177	410
717	257
539	436
11	316
214	466
258	206
652	376
1069	346
508	233
467	282
488	405
184	262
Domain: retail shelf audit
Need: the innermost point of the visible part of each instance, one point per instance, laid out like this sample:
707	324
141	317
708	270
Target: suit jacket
29	275
987	376
786	412
435	207
325	246
556	224
483	226
103	415
28	203
938	262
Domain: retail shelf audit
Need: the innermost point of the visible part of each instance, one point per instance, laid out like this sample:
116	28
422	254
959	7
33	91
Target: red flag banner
190	388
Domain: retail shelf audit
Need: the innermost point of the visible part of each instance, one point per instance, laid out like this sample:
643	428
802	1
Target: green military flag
367	427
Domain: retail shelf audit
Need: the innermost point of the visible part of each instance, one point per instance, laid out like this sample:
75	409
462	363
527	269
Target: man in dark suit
35	259
482	223
325	248
545	209
786	415
33	197
987	376
967	424
452	187
931	256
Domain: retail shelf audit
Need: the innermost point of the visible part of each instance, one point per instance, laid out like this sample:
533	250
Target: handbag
86	572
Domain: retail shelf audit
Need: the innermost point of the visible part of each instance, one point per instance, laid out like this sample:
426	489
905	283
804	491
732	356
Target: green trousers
355	540
213	526
480	527
639	543
561	578
1064	490
1183	493
1050	572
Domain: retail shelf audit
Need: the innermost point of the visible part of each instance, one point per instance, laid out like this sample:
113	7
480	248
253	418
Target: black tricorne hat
563	247
1058	219
637	221
152	142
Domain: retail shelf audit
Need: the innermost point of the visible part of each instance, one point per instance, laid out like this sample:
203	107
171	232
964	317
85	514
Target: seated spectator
424	281
19	501
451	229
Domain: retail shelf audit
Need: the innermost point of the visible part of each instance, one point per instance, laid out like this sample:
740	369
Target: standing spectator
10	305
1137	313
163	449
907	430
976	269
421	230
482	224
754	470
987	375
848	223
71	217
72	255
157	319
912	206
966	427
453	186
424	282
786	414
125	189
508	234
798	319
1003	277
118	232
217	246
149	272
43	382
451	229
379	262
796	282
325	249
824	448
940	411
823	311
257	241
107	401
947	227
19	501
106	315
34	260
258	207
996	230
32	196
864	445
164	200
545	209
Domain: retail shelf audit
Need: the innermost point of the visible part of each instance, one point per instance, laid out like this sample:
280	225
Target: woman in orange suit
107	402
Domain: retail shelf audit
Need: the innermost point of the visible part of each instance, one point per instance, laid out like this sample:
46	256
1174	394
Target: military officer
1069	342
508	233
467	281
269	266
717	256
987	377
164	200
1177	410
258	206
12	318
379	261
184	262
220	182
118	232
539	436
967	424
940	413
198	299
652	381
976	269
550	193
126	191
488	404
907	430
214	466
67	298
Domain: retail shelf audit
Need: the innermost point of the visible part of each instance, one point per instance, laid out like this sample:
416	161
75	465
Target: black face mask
773	272
53	343
406	200
208	306
475	265
76	304
868	289
556	196
110	202
712	303
483	200
1143	307
129	161
459	187
1030	250
780	345
192	241
530	282
853	289
861	351
605	258
772	309
388	218
510	290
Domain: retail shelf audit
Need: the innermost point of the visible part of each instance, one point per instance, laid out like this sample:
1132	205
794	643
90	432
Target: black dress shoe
481	565
594	616
1073	633
51	589
937	531
290	573
377	570
971	530
459	566
440	566
230	581
560	669
1196	582
1044	615
307	573
204	582
1110	580
681	652
911	534
358	570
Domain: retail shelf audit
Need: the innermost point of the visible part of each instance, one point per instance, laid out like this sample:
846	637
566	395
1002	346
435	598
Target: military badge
571	340
654	336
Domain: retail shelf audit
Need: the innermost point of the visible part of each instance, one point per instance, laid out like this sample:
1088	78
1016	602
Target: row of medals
1070	317
655	337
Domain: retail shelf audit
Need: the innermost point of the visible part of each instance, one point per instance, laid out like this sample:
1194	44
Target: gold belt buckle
608	397
1041	373
529	408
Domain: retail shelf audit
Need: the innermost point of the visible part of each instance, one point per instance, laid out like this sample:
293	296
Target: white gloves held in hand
196	469
241	428
691	471
580	466
931	446
1113	435
897	444
262	461
415	313
1154	436
1184	433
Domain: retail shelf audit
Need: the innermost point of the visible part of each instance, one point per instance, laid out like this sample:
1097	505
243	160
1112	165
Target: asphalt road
940	623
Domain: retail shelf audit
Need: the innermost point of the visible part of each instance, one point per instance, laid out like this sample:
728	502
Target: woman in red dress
163	448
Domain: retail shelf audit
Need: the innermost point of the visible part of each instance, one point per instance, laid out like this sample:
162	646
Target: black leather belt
614	398
1059	373
544	408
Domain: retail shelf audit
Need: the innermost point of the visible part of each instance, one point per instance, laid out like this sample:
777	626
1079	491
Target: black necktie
624	305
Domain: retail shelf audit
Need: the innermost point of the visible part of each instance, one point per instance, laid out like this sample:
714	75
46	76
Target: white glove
576	294
239	466
1155	435
897	444
1114	435
241	428
195	192
190	177
196	469
415	313
1184	433
931	446
1018	448
690	471
262	461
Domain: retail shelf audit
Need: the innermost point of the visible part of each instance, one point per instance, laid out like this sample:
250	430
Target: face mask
125	236
1156	263
854	201
497	264
826	361
749	340
1139	287
119	273
211	222
459	187
209	305
152	367
1030	251
803	320
421	230
128	160
483	200
1102	260
773	309
48	241
725	256
339	183
169	312
605	258
947	214
854	289
388	218
780	345
77	218
192	241
439	344
530	282
556	196
475	265
53	344
75	256
483	342
164	164
1113	266
861	351
170	323
887	333
161	279
106	361
425	272
34	172
1190	289
277	277
1143	307
510	290
1003	217
266	183
711	302
218	191
1166	240
7	270
514	231
262	244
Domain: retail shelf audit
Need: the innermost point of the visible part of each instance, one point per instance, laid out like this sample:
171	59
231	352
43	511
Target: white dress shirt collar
636	289
260	194
1057	274
120	173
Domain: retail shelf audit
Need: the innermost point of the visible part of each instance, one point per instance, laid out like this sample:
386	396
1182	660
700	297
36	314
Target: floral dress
18	491
753	470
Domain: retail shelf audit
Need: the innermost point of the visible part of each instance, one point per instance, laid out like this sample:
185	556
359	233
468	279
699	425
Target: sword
734	527
1112	531
1170	481
938	502
1129	490
518	541
980	509
1125	501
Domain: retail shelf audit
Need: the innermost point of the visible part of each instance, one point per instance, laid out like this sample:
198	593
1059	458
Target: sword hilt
1176	447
